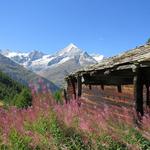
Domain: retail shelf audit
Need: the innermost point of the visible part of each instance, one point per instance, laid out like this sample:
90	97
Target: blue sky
107	27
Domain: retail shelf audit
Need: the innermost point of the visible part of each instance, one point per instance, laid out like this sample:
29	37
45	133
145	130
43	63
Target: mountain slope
21	74
9	88
57	73
65	61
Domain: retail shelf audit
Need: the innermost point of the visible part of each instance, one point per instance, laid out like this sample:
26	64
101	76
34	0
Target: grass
1	103
56	126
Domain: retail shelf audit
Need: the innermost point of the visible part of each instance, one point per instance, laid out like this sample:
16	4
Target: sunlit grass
48	124
1	103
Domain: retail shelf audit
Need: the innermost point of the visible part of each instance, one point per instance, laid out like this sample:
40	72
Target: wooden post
119	88
68	89
102	86
74	88
79	86
65	96
147	95
90	87
138	92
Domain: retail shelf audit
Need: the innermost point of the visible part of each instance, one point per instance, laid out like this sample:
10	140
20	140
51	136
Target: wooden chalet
122	80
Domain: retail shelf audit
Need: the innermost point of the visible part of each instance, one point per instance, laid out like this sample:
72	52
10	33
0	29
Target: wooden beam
117	73
123	77
138	92
79	86
108	81
147	63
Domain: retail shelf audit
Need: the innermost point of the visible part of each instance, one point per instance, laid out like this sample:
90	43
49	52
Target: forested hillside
21	74
12	92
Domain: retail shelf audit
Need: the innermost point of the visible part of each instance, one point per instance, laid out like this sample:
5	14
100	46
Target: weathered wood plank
147	95
119	88
90	86
138	92
74	88
79	86
102	86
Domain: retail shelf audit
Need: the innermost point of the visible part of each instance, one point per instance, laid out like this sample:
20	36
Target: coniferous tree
14	93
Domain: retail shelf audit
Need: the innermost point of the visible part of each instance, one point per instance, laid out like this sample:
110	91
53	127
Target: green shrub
106	142
61	136
134	137
58	96
19	142
24	99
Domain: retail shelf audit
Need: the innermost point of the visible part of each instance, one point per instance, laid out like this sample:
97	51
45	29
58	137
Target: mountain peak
71	49
71	45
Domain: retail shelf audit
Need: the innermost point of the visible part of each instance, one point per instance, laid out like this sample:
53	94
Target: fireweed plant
48	124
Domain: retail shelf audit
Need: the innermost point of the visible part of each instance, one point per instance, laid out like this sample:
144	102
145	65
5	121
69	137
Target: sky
106	27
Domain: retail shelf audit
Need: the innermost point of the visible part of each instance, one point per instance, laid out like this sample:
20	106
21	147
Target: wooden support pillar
147	95
74	88
68	90
90	86
79	86
138	92
65	96
71	91
102	86
119	88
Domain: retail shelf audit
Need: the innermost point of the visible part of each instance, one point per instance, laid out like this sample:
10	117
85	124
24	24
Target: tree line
14	93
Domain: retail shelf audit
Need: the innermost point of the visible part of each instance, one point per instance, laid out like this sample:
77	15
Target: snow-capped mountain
54	66
24	59
21	74
69	53
37	60
97	57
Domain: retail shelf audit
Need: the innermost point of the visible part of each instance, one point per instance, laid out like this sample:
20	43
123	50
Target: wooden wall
121	103
71	90
108	96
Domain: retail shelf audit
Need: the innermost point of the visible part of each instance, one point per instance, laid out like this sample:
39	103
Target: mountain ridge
62	62
29	59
